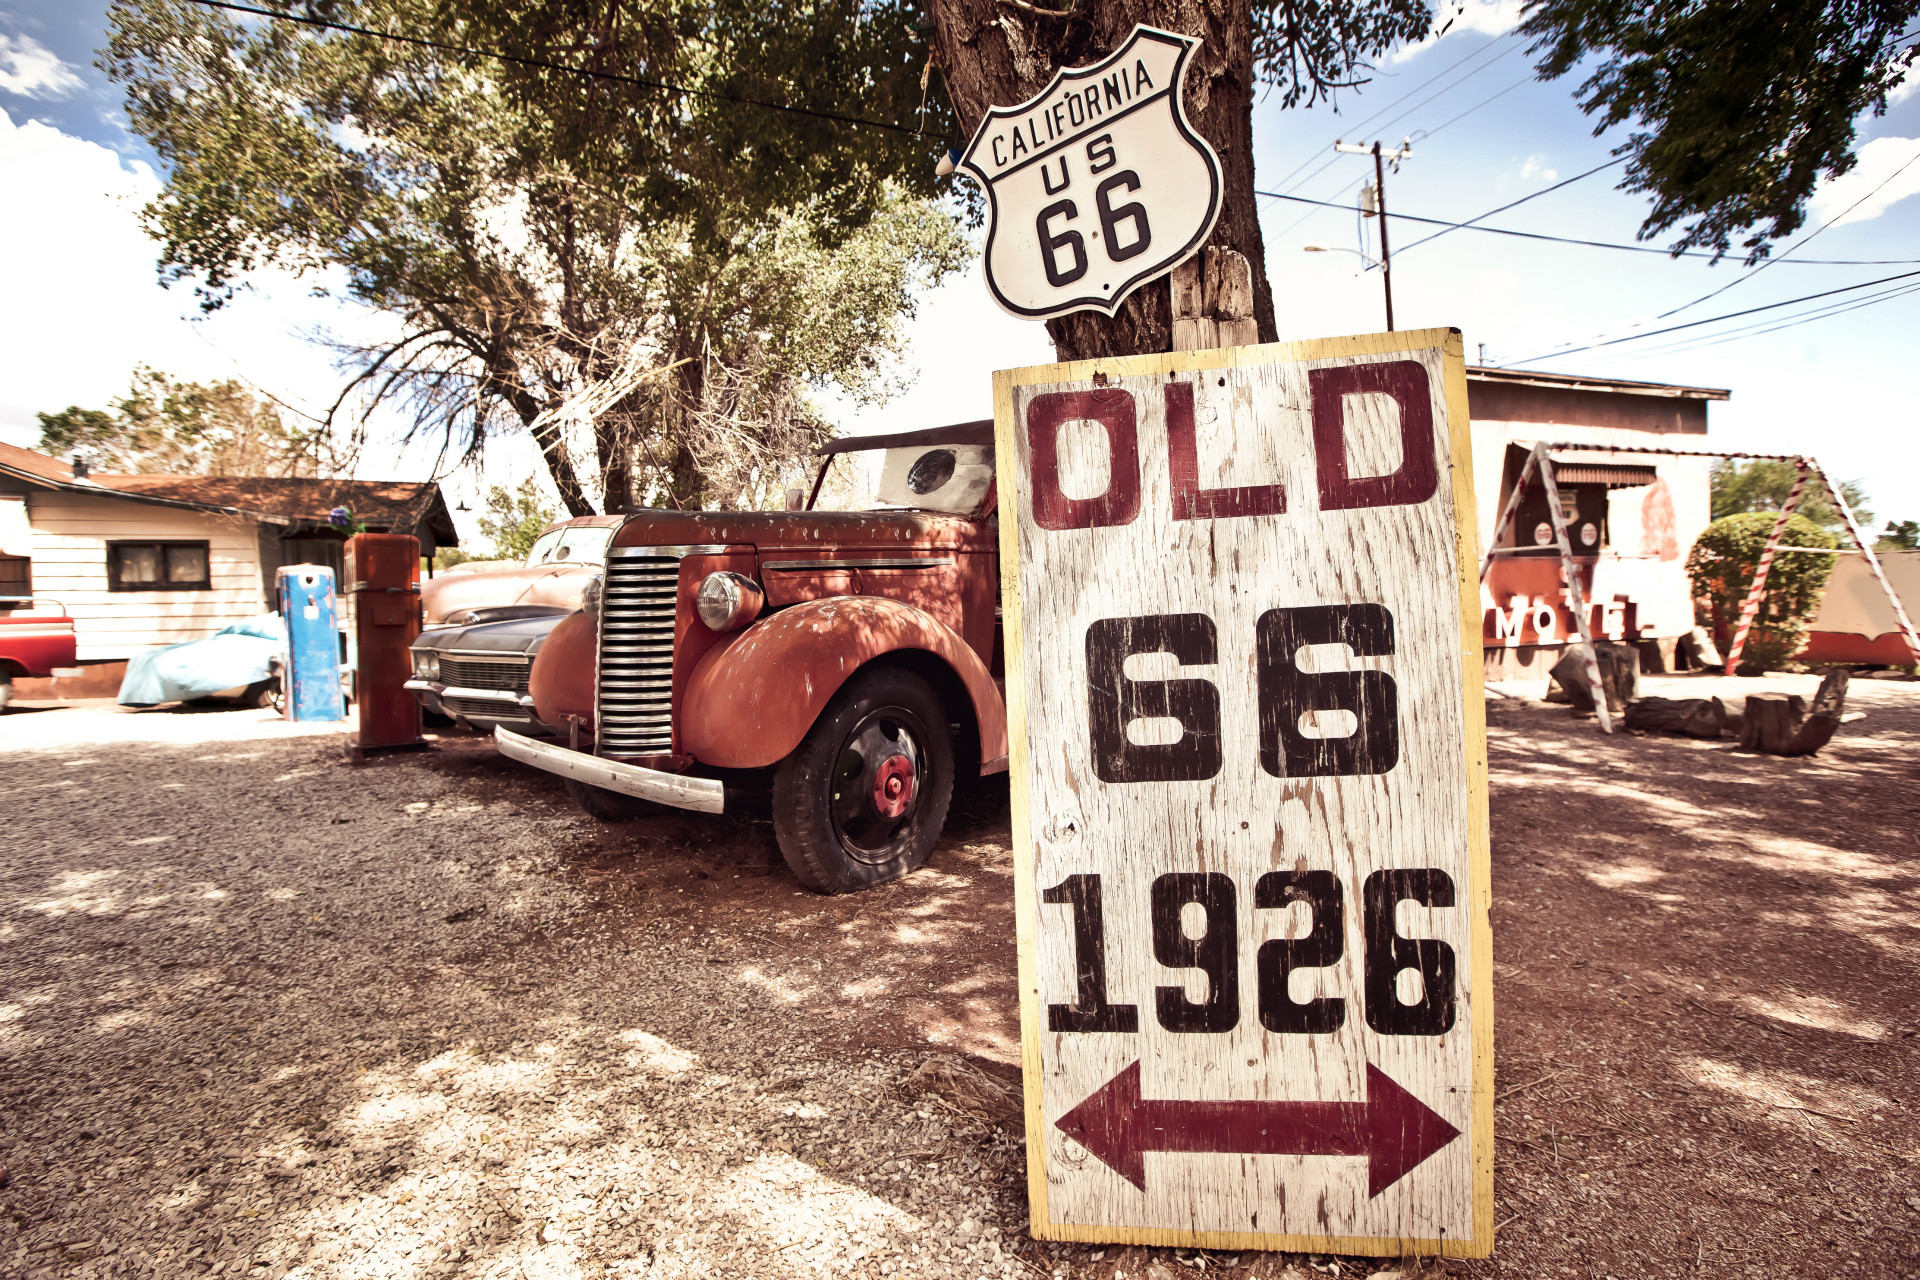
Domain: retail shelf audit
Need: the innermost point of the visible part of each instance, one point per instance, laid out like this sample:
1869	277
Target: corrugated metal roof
1614	475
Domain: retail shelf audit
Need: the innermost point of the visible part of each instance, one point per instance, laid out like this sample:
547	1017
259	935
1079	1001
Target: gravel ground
262	1010
265	1014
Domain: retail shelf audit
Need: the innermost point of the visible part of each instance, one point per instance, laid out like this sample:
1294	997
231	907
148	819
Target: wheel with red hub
863	797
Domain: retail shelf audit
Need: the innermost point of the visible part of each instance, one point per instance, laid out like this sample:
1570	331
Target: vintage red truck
31	646
847	660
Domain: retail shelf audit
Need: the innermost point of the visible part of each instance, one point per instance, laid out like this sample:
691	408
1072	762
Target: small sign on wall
1249	783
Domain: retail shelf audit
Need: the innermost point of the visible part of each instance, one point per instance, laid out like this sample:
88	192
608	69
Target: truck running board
703	795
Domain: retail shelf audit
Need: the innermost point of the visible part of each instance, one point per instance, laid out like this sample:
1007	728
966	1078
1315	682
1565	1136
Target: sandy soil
263	1013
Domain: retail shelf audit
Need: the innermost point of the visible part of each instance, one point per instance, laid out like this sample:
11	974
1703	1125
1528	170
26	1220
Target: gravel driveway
265	1014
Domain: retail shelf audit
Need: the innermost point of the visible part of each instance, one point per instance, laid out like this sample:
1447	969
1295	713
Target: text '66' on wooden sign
1249	781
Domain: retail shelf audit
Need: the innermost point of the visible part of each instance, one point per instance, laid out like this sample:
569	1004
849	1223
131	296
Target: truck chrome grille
634	682
478	673
486	709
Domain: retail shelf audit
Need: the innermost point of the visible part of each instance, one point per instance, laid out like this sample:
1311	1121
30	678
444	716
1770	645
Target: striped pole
1574	600
1873	563
1534	455
1759	588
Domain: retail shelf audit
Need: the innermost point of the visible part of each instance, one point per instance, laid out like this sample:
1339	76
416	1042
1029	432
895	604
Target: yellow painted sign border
1474	719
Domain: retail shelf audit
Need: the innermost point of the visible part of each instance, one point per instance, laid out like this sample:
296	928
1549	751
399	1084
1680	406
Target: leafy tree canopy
1763	486
1721	567
1899	535
514	518
631	274
1739	109
168	427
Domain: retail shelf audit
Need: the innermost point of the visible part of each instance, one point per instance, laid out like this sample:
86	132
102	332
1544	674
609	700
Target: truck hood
504	584
806	530
519	635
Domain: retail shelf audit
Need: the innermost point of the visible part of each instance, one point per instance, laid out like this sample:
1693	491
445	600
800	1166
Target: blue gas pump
312	679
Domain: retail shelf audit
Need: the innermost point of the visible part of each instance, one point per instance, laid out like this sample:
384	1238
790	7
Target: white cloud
84	304
1534	170
32	70
1887	173
1457	17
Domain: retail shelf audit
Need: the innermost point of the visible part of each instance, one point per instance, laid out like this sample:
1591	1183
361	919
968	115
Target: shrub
1721	567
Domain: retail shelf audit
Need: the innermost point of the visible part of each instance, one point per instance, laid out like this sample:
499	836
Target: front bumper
483	705
702	795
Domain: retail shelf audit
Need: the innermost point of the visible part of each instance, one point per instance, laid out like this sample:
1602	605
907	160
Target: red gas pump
383	584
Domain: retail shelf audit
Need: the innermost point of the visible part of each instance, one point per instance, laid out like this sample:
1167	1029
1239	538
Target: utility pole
1380	201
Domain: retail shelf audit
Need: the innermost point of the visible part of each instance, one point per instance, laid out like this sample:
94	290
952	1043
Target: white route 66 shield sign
1097	185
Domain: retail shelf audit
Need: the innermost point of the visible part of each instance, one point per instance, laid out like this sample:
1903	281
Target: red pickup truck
31	646
848	660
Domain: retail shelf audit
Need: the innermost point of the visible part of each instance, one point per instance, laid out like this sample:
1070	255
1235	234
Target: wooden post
1759	588
1213	302
1575	601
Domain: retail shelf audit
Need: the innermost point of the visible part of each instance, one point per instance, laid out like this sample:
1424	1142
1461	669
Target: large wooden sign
1249	796
1096	185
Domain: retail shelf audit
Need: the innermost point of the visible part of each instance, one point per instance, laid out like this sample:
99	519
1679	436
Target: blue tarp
237	655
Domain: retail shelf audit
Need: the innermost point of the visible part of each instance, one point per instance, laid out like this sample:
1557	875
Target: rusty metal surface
562	678
755	694
789	531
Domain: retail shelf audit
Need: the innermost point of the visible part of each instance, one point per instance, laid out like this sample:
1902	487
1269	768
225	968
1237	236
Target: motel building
1631	512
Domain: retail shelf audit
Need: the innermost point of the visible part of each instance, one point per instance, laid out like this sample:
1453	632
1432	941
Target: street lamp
1332	248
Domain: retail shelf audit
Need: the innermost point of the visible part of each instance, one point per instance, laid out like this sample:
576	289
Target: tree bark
1000	52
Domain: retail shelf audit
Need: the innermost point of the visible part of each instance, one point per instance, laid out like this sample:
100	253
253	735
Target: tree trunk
552	449
1000	52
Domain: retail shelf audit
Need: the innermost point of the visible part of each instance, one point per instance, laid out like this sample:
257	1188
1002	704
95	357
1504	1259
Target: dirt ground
262	1013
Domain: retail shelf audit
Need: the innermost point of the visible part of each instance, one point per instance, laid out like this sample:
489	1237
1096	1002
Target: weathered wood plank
1249	791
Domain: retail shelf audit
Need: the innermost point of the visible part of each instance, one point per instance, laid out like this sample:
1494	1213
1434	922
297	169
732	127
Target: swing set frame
1540	461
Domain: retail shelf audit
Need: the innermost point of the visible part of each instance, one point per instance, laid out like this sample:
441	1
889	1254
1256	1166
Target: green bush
1721	566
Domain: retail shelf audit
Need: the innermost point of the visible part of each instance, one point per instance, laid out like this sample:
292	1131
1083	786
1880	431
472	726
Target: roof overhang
1573	382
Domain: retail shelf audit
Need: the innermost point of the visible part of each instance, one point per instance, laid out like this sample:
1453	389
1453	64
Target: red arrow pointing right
1394	1130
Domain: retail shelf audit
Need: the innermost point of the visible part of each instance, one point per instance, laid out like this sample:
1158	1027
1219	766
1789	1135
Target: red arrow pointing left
1394	1130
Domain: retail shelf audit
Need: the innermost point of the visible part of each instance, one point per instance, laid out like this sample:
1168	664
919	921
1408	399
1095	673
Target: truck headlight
728	601
590	595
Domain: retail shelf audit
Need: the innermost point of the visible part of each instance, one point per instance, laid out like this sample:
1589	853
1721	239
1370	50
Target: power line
1775	325
1796	248
543	64
1362	124
1674	311
1731	315
1590	244
1483	102
1516	203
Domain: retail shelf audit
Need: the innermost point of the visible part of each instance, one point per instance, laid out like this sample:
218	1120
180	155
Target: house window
16	580
157	566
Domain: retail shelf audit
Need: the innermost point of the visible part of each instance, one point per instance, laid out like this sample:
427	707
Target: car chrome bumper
702	795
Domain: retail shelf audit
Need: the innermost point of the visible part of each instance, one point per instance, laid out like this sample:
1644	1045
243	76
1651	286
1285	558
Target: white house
140	560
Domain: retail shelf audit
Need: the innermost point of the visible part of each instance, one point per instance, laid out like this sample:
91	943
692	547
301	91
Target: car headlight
728	601
426	664
590	596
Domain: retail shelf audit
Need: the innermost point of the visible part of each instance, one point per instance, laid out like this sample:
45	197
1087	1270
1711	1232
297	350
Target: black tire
261	693
610	806
827	794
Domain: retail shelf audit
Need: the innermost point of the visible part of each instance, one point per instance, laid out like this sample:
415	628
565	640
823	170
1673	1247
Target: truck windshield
579	544
948	477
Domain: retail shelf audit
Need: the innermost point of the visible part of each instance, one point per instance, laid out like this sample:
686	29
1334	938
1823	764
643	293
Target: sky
85	306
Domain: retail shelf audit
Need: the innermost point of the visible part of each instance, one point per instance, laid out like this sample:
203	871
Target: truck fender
561	681
755	694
